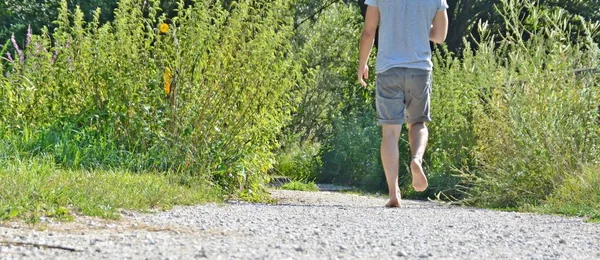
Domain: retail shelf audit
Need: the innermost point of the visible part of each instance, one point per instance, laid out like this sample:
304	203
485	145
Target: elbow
368	34
437	36
438	39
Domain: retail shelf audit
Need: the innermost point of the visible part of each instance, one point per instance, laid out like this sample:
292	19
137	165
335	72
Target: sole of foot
419	180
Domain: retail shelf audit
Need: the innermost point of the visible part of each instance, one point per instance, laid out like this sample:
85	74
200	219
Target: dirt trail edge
309	225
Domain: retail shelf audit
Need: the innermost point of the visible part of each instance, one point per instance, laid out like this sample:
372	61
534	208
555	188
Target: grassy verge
579	195
35	188
297	185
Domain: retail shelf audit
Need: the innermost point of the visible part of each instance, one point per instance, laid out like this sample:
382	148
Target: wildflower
164	28
28	40
19	52
9	57
167	78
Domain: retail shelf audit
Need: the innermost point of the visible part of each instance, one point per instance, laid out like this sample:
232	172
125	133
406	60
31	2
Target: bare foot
419	180
395	198
393	203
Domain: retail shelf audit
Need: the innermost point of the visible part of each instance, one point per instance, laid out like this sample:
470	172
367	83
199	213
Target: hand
363	73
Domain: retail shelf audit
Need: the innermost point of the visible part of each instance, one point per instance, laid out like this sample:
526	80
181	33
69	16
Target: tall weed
578	195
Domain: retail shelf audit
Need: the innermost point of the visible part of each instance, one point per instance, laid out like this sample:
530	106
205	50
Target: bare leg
417	136
389	157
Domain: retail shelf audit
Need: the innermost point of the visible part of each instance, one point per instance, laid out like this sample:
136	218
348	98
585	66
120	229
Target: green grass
579	195
36	188
296	185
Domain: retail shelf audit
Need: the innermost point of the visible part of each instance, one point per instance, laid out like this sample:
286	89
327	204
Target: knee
418	125
390	136
391	133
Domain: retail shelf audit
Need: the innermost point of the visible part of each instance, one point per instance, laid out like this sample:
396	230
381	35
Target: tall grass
535	120
578	195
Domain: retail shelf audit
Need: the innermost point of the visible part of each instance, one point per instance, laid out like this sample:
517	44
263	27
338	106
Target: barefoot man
403	77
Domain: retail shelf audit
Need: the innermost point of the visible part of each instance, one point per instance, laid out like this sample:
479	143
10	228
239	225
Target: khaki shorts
403	95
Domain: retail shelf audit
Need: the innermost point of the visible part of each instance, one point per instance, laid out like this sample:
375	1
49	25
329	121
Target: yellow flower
167	78
164	28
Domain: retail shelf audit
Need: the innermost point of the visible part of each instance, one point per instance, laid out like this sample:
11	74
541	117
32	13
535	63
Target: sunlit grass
36	188
578	196
297	185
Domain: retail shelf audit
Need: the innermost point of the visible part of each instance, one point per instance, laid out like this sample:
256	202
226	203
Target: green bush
535	121
326	49
16	16
301	163
351	156
126	95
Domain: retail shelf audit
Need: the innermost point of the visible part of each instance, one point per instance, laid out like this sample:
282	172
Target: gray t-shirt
404	27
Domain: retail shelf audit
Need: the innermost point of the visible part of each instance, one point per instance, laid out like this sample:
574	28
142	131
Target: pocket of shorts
420	86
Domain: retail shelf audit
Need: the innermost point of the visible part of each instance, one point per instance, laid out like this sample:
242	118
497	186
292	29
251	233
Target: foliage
326	94
465	15
536	120
325	91
299	162
124	95
351	155
301	186
578	195
17	15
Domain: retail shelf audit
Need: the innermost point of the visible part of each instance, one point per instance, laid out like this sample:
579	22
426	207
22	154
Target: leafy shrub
536	120
300	163
17	16
351	156
143	93
326	90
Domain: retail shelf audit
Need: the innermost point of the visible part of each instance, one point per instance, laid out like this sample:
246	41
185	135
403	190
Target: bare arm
366	42
439	27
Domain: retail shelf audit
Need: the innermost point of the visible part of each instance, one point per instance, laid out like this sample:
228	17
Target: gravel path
311	225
